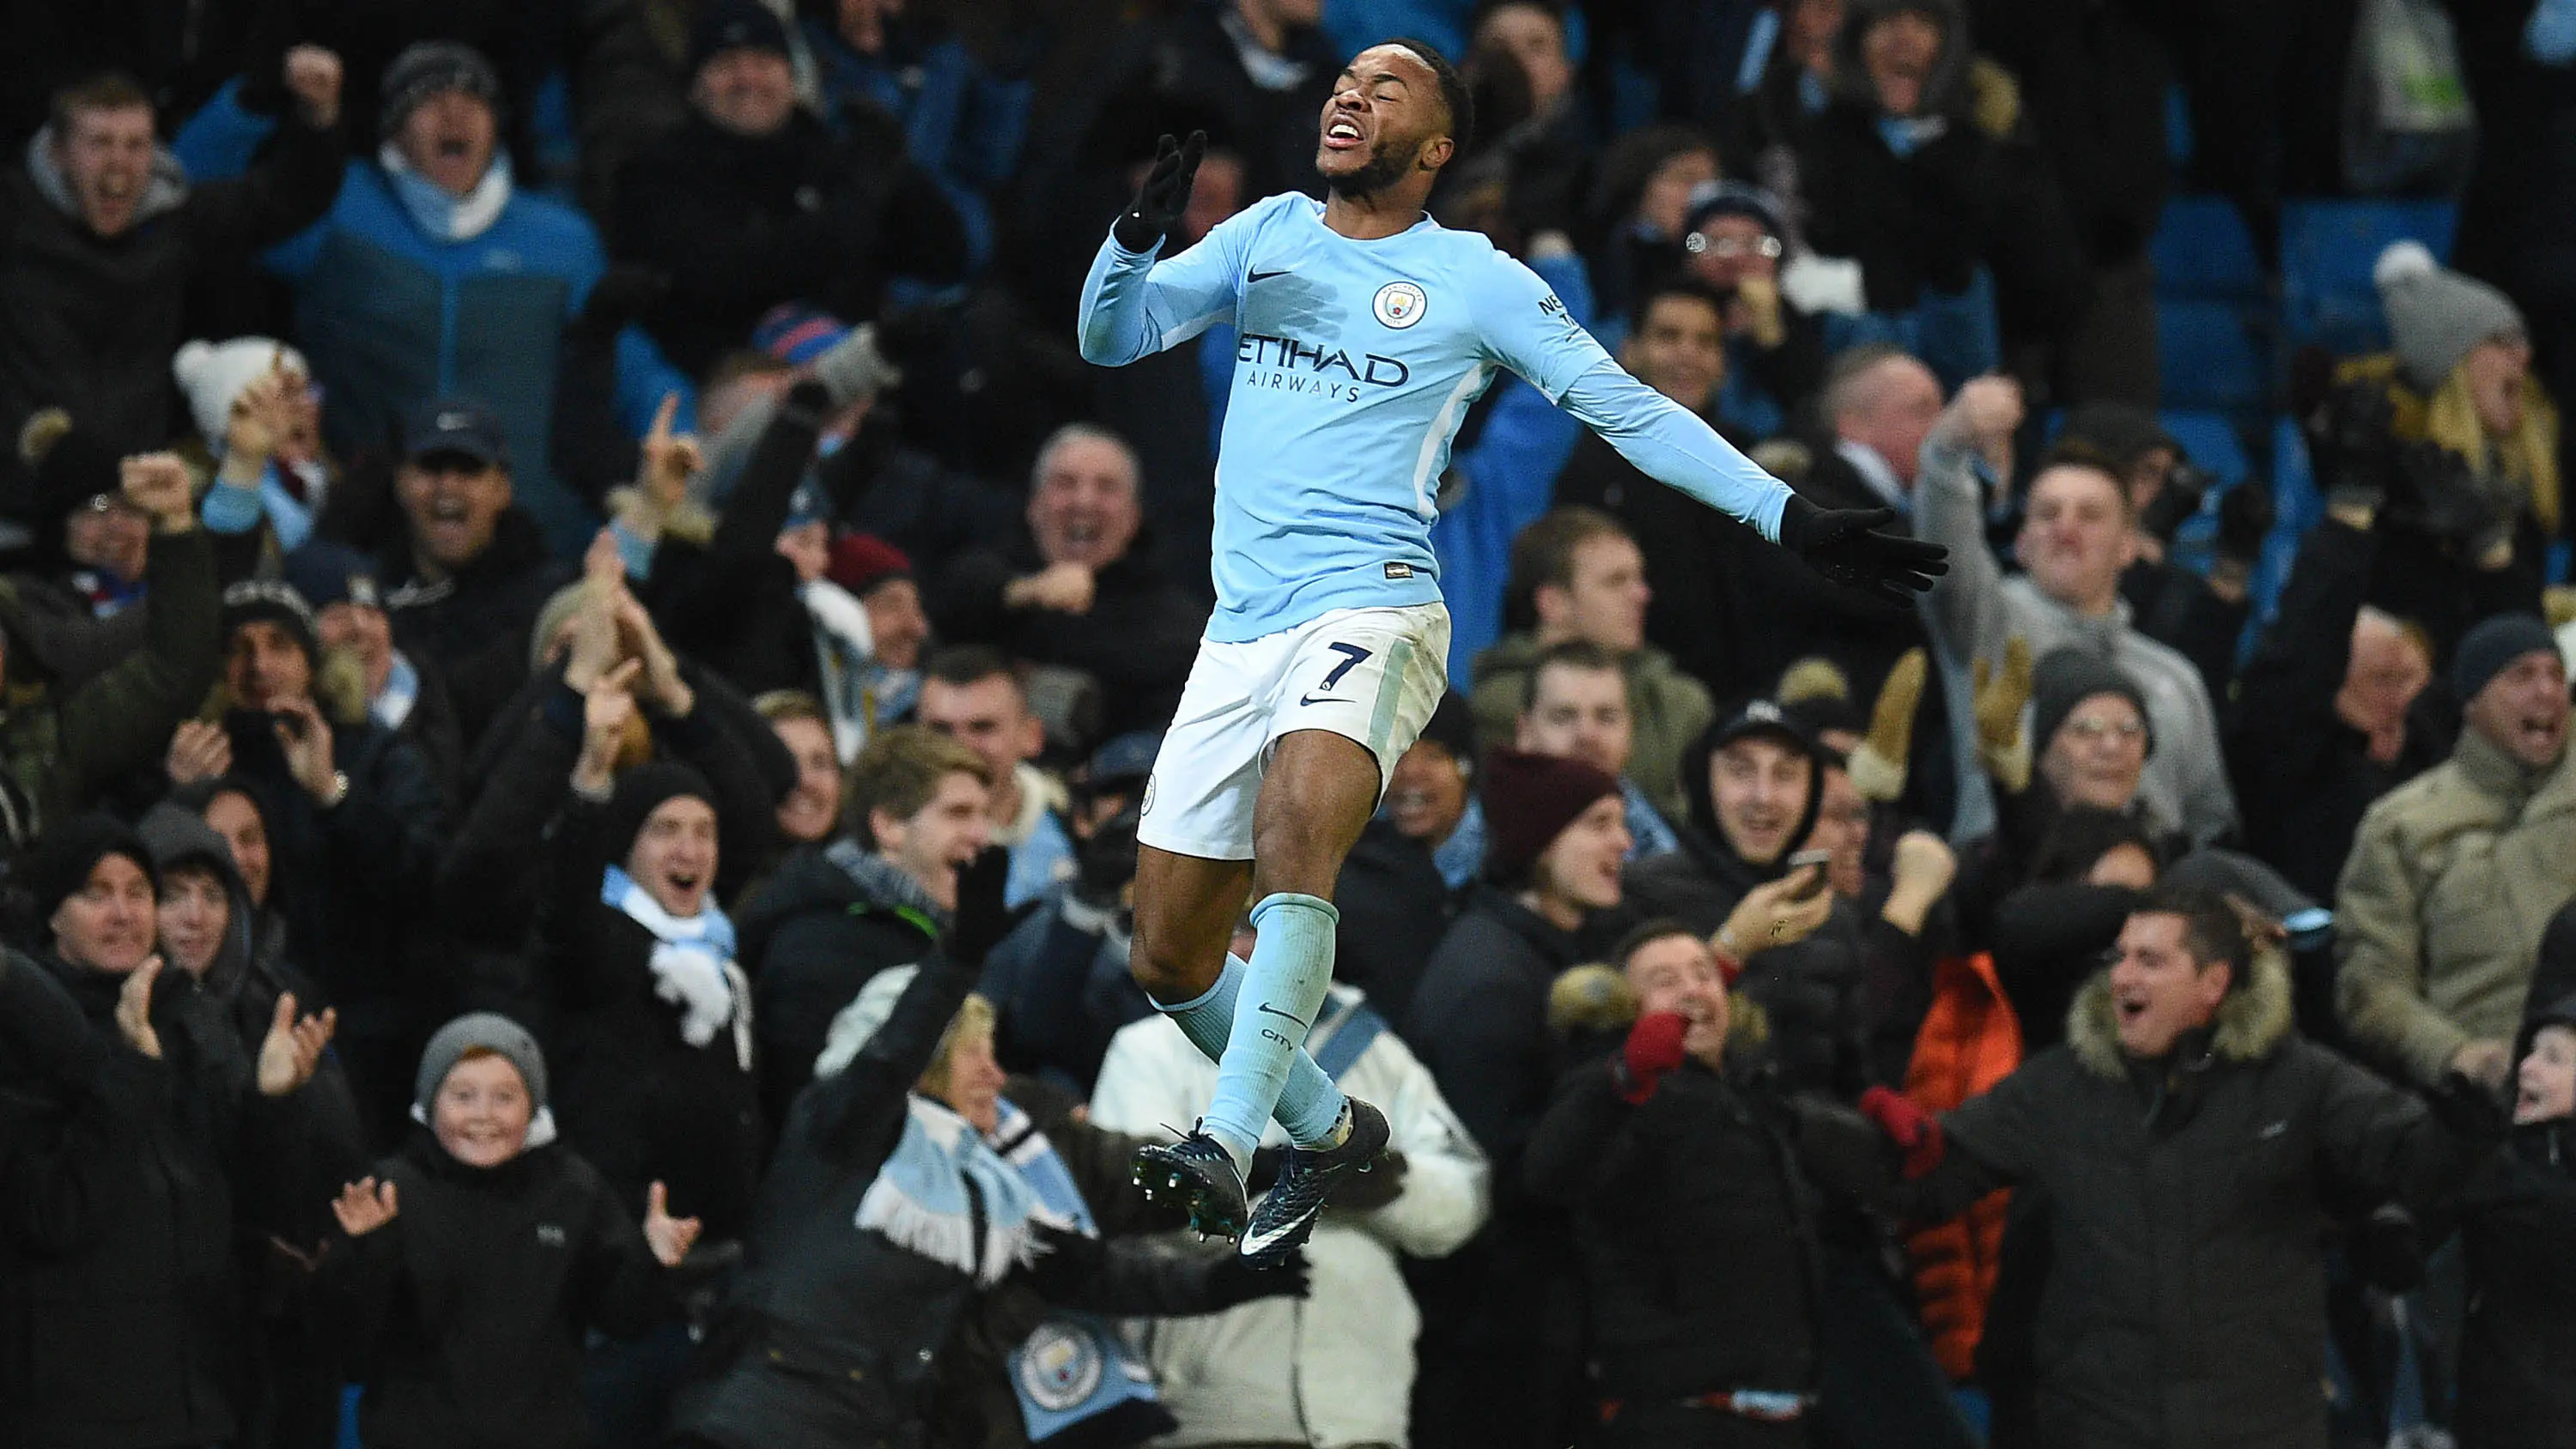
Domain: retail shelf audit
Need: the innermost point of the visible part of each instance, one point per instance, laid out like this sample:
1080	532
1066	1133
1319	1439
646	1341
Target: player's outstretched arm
1132	304
1851	547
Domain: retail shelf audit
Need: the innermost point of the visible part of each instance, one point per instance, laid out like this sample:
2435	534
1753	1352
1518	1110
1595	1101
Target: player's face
1759	786
1578	714
2075	539
1581	866
1384	120
1681	350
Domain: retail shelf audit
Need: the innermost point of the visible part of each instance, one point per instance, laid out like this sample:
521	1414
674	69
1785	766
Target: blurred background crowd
580	653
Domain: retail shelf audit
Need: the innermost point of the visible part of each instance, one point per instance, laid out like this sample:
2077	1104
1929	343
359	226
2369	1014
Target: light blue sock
1283	989
1310	1106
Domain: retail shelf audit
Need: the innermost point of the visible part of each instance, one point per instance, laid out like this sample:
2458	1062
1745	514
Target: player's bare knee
1167	975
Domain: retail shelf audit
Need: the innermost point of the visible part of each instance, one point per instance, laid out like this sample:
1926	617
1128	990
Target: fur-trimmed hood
2250	1025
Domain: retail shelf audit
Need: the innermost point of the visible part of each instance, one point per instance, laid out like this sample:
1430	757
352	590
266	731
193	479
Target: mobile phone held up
1822	860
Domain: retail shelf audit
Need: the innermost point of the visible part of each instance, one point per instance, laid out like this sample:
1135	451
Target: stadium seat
2211	440
2327	251
2202	252
2208	356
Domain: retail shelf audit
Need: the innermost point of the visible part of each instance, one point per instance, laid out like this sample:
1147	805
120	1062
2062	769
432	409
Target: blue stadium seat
2202	251
2213	443
2208	356
2327	251
2298	505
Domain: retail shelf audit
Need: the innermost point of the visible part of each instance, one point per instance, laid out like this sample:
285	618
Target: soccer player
1364	332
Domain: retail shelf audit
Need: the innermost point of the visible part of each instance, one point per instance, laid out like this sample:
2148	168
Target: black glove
2385	1250
2464	1106
2244	519
1227	1281
1844	545
2352	450
1165	194
981	919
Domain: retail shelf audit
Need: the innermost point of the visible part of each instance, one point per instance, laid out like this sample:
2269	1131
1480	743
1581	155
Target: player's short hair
2090	457
1544	552
1578	654
1679	285
900	772
2212	930
1454	95
1079	433
107	90
1840	392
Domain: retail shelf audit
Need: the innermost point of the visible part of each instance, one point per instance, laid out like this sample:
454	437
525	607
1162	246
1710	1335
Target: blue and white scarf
440	213
693	965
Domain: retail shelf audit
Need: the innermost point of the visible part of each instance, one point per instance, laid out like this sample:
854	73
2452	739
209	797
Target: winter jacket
636	1099
88	323
1484	996
466	1316
731	599
2518	1356
1970	1041
1395	906
2303	776
473	625
1667	711
1975	609
392	316
837	1335
827	921
1670	1198
1336	1369
1061	989
1139	638
60	749
2439	915
122	1318
2185	1303
743	223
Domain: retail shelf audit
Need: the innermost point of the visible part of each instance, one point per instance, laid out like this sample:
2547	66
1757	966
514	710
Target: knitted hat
213	374
2490	649
861	561
735	25
796	334
2435	315
643	790
71	467
59	863
2066	678
1710	200
327	573
1529	800
429	68
253	600
492	1032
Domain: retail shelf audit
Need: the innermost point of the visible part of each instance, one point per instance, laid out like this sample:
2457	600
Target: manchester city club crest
1399	304
1059	1368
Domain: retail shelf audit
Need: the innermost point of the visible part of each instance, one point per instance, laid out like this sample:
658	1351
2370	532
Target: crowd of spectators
580	656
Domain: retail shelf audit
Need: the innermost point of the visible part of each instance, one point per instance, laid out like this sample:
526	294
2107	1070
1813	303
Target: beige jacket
2452	879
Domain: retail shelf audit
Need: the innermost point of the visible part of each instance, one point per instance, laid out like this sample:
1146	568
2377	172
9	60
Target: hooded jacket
831	918
60	749
2185	1304
2453	879
88	323
1975	609
2518	1223
1667	710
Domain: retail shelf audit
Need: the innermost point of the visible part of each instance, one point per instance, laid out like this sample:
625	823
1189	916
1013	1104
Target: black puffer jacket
1695	1227
122	1318
831	918
2186	1301
2518	1222
1138	639
466	1314
474	624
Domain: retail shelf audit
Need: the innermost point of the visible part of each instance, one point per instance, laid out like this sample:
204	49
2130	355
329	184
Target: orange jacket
1970	1040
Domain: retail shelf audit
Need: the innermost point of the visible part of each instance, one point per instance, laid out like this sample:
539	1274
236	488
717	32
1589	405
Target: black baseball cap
456	425
1764	717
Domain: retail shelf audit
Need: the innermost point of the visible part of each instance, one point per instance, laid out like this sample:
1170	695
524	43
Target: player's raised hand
1845	545
1165	194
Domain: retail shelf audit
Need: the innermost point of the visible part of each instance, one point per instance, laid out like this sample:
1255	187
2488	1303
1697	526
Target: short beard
1380	172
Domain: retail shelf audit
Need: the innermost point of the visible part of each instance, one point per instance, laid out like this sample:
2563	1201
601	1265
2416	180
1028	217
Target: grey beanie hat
492	1032
2435	315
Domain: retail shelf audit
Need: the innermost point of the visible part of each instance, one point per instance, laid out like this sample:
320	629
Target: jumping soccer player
1365	330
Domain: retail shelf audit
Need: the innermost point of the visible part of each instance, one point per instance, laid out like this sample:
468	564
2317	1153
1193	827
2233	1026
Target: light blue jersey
1355	362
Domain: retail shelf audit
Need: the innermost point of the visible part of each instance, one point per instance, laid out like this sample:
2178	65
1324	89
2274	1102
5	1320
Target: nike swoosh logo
1275	1011
1254	1244
1323	699
1252	277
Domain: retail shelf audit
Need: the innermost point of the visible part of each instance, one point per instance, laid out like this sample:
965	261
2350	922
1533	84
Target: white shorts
1368	675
